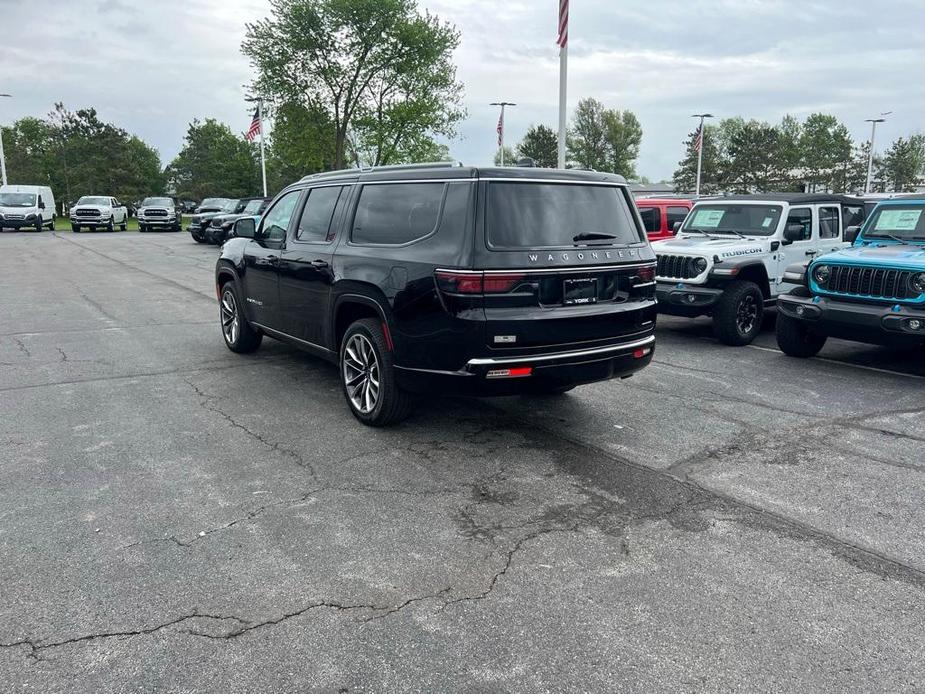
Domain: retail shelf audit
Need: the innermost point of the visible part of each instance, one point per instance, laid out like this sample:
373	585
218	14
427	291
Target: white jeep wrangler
729	256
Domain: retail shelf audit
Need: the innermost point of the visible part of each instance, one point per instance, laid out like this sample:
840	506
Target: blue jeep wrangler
872	292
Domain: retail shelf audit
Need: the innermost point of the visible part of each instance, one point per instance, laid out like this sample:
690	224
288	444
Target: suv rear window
551	215
393	214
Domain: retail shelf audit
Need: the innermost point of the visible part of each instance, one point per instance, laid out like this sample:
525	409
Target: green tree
904	163
685	177
541	144
826	146
214	162
28	150
383	71
587	136
301	143
787	157
624	136
749	164
510	159
604	139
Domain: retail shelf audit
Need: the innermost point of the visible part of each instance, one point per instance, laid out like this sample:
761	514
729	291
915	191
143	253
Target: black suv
219	228
446	279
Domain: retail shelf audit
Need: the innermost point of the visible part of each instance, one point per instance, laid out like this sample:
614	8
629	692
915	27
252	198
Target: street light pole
870	155
700	138
2	157
503	105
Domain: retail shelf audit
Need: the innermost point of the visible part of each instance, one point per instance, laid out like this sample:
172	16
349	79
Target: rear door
831	231
565	264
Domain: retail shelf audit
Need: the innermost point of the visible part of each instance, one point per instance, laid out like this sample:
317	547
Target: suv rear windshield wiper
888	236
593	236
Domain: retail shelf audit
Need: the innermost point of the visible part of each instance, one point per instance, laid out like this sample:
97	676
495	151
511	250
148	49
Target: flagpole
563	77
263	159
502	104
700	139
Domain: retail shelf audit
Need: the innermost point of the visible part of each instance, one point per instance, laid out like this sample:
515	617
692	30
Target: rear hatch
559	265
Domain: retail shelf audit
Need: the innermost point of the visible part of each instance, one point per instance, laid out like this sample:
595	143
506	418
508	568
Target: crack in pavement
22	346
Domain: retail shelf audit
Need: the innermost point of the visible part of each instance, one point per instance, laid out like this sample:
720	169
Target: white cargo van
27	206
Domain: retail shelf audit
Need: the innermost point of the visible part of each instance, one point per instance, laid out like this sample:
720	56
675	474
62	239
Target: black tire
40	224
795	339
124	225
238	334
75	228
739	313
111	224
359	371
142	228
197	237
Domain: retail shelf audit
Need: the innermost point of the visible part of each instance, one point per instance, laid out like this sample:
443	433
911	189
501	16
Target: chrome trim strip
580	182
550	271
279	333
528	359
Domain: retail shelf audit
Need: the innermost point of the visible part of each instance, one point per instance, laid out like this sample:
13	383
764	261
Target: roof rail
390	167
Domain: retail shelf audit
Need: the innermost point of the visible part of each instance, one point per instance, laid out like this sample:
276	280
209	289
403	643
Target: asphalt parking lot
175	517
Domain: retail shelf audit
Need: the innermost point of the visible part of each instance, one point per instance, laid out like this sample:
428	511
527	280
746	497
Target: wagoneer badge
583	255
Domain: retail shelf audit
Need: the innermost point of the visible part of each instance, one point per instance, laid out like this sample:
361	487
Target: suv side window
395	214
853	216
276	221
675	215
317	215
828	223
804	217
651	218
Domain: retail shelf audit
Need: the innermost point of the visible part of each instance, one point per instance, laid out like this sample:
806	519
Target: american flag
698	138
501	128
562	41
254	130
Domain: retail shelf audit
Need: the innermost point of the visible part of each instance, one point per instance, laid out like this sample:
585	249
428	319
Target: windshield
232	206
905	222
558	215
88	200
17	200
253	207
757	220
213	203
159	202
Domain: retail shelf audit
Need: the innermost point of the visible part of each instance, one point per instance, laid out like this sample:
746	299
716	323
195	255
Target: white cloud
153	67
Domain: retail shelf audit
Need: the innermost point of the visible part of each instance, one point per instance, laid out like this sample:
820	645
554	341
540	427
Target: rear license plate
581	291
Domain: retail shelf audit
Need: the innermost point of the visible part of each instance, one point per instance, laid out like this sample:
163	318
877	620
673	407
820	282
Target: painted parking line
847	363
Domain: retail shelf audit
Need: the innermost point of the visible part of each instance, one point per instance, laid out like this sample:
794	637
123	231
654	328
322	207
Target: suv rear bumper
549	371
690	301
873	323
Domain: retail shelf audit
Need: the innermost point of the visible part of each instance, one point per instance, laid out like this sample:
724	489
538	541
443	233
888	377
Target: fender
729	268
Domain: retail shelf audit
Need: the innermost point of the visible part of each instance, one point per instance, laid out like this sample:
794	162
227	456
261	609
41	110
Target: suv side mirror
851	233
793	232
245	228
676	227
41	204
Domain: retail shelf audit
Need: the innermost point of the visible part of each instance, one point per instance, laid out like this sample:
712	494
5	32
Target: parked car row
214	220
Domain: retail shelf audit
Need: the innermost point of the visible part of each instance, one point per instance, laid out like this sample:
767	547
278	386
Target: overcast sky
152	66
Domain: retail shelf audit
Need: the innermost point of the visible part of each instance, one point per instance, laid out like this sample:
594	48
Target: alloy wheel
231	322
746	315
361	373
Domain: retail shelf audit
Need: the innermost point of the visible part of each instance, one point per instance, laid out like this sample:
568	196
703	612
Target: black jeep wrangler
446	279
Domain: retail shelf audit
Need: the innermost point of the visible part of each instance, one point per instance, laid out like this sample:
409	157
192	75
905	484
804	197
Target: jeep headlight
699	266
821	274
917	282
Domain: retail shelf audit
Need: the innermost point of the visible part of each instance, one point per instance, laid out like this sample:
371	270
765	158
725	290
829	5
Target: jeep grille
675	267
866	281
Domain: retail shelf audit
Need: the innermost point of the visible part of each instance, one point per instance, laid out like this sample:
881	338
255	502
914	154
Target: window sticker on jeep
898	220
707	219
767	222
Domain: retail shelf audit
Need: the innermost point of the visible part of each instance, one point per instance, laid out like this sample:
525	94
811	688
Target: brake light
476	282
499	284
459	282
646	274
642	352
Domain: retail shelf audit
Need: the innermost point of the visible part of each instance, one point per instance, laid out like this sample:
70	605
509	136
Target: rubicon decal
745	251
583	255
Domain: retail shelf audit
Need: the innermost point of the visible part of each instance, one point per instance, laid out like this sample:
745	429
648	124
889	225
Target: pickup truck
98	211
873	292
728	258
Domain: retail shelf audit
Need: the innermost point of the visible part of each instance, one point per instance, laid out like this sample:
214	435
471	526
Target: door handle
268	260
319	264
811	252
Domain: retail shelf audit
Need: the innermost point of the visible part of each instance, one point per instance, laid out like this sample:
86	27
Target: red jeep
660	215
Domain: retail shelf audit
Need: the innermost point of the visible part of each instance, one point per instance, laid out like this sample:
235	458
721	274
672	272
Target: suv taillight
470	283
